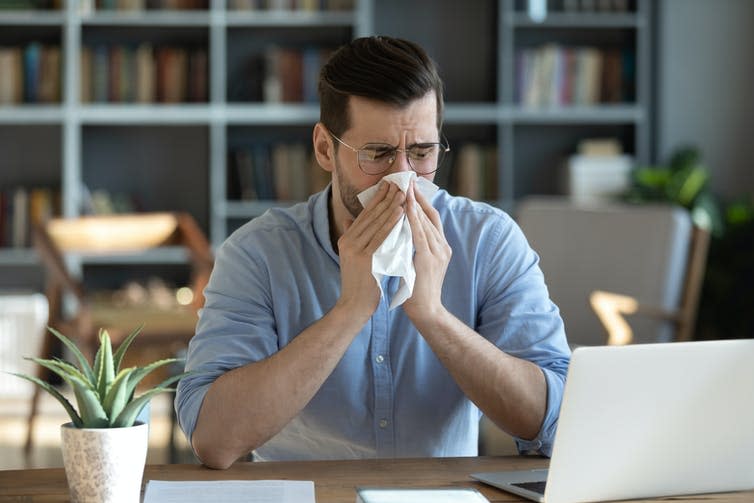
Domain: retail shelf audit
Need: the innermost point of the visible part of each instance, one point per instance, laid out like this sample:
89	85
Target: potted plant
104	446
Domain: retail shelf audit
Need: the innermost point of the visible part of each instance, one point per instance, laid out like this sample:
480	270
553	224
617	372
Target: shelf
31	114
147	18
276	18
474	113
603	114
32	18
166	255
18	257
271	114
578	20
130	114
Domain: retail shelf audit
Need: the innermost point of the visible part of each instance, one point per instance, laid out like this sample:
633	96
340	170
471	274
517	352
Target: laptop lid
653	420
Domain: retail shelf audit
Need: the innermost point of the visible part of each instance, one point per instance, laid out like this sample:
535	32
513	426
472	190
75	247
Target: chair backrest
118	235
642	252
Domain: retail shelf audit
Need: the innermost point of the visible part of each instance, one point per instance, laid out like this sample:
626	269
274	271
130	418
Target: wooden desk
334	480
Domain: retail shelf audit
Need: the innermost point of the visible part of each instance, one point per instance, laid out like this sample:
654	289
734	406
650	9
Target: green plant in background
683	181
104	393
725	308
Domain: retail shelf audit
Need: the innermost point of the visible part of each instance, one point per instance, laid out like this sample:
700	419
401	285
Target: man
298	355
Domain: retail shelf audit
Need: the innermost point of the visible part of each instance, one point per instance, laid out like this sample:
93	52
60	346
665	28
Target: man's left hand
431	259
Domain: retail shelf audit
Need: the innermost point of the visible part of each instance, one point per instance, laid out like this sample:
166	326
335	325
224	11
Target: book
419	495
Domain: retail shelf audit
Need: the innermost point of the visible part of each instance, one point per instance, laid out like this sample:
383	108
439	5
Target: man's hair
386	69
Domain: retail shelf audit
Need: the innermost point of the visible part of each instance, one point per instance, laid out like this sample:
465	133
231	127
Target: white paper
229	491
429	495
395	256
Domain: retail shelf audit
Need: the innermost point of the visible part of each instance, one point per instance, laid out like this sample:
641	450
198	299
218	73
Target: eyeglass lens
378	158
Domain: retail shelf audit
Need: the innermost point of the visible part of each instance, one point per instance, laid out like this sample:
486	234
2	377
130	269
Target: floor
46	450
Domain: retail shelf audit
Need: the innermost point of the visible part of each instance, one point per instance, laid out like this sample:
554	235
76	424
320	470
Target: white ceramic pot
104	465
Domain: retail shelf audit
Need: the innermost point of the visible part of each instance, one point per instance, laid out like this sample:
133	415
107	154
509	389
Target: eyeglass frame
444	146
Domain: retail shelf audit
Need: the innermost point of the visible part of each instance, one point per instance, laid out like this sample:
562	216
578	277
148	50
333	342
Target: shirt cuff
542	444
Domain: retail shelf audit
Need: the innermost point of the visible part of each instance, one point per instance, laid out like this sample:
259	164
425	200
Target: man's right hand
360	293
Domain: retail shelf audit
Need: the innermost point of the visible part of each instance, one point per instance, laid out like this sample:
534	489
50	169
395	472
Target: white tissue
395	256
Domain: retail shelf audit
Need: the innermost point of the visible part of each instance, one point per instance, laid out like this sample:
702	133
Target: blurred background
206	107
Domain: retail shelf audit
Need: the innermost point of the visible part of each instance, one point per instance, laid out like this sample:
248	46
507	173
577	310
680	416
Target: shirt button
383	423
380	359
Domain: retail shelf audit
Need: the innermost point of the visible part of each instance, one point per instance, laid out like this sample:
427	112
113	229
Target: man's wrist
431	320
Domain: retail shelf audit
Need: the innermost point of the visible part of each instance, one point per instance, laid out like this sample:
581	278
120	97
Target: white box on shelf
595	177
22	324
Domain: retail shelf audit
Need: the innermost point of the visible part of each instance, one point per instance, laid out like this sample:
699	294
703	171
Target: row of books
143	74
554	75
30	74
301	5
280	171
471	171
20	207
150	4
30	4
595	5
279	74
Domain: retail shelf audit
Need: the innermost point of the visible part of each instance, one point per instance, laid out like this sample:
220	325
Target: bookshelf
158	150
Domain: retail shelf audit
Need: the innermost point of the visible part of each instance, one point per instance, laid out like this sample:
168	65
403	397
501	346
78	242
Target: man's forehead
364	113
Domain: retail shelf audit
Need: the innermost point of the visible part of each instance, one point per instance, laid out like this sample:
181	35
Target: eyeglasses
376	158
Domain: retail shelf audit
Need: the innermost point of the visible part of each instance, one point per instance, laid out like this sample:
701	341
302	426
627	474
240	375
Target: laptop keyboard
537	487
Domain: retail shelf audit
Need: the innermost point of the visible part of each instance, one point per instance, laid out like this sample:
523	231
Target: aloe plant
104	393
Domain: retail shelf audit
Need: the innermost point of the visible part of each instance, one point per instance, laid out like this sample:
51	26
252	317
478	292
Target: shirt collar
321	222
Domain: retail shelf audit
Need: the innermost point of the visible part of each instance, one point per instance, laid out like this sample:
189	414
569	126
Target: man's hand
359	291
431	259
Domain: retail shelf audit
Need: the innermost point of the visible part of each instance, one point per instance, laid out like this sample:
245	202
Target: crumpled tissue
395	256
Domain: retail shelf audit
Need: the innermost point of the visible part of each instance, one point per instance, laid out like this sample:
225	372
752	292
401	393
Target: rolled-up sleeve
517	315
235	327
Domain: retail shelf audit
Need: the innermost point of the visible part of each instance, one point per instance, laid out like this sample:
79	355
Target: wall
705	92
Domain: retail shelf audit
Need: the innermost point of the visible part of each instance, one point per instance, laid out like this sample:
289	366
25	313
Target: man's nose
400	163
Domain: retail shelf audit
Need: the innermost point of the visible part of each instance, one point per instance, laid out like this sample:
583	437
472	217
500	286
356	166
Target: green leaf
75	418
83	363
121	351
92	413
117	395
141	372
106	373
64	366
652	177
132	410
686	184
75	378
90	409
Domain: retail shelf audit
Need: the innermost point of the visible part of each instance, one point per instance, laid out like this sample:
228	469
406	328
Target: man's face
377	122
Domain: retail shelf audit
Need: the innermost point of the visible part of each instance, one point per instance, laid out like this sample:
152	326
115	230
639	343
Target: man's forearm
510	391
247	406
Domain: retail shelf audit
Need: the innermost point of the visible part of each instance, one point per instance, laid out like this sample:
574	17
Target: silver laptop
649	420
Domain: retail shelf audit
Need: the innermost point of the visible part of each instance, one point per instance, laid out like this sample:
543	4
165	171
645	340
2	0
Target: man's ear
323	147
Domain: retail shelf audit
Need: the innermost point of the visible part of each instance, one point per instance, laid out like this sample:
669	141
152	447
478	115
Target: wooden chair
611	308
605	260
62	241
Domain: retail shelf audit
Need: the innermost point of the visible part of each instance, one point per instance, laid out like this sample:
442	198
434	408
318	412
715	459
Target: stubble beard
348	193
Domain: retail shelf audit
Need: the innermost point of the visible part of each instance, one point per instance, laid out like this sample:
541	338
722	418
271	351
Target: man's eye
377	153
419	153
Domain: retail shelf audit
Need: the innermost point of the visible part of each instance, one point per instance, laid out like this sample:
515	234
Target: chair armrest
611	309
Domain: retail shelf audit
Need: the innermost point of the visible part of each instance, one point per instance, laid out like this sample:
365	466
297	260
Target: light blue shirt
389	396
